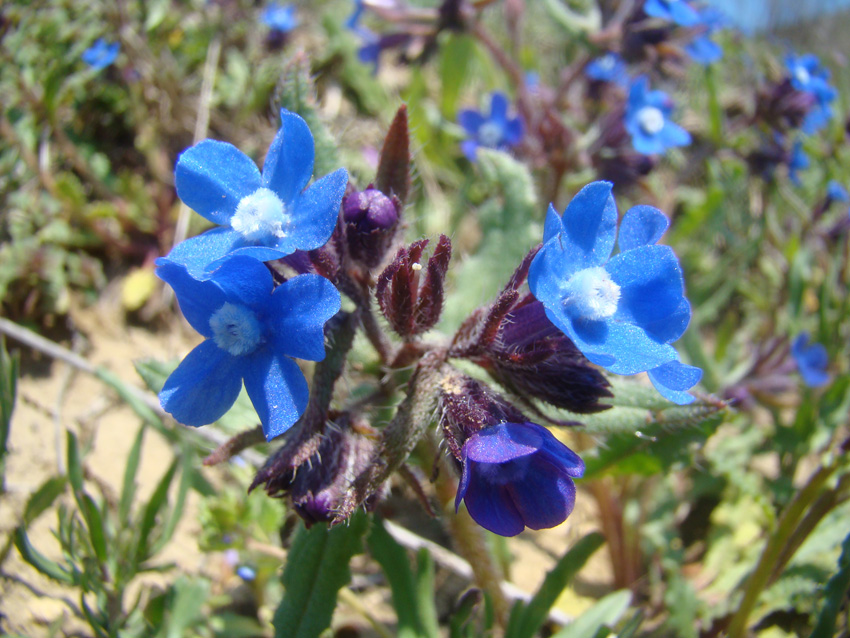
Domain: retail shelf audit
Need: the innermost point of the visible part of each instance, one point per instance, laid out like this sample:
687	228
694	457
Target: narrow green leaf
157	502
605	613
316	568
38	560
43	498
94	521
555	582
459	623
456	53
75	468
834	594
9	366
189	597
425	594
393	560
187	468
128	489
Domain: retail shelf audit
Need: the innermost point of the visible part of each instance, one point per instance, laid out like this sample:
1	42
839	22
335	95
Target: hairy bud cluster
409	294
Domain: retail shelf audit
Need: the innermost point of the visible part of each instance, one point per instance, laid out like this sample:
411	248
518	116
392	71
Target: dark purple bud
371	219
410	308
782	107
317	475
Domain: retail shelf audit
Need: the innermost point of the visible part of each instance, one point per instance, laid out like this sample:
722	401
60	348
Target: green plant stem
760	576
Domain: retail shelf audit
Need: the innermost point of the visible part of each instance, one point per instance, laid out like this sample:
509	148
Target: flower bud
371	219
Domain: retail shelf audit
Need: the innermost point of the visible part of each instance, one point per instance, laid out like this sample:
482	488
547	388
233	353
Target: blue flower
280	17
246	573
517	475
101	54
647	120
622	312
677	11
808	75
264	216
495	131
253	330
608	68
702	49
836	192
353	21
811	360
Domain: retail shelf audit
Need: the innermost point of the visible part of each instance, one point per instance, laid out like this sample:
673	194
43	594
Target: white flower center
261	217
606	62
802	74
236	329
650	119
591	294
490	134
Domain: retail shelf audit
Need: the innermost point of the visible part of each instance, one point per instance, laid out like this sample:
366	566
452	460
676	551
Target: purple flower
517	475
253	331
265	216
622	312
647	120
811	360
494	131
280	17
101	54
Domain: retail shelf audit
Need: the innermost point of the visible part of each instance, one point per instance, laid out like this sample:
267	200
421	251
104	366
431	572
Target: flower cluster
253	330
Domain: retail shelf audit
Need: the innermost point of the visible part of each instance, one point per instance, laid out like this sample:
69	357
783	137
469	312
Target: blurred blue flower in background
101	54
253	331
608	68
702	49
279	17
494	131
678	11
798	161
622	312
246	573
517	475
836	192
807	74
812	361
647	120
264	216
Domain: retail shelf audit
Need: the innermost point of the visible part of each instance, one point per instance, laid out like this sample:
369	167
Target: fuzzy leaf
393	176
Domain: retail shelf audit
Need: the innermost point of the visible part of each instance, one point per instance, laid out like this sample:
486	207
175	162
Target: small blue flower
702	49
608	68
678	11
495	131
836	192
253	331
517	475
266	216
808	75
101	54
811	360
280	17
622	312
246	573
647	120
353	21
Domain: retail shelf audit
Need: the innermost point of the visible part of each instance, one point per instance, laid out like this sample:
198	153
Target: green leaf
405	589
187	469
425	594
128	488
43	498
556	580
573	21
834	595
316	568
94	522
605	613
456	53
9	366
38	560
75	468
157	503
184	606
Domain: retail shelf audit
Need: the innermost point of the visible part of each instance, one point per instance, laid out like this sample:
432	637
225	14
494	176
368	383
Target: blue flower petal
641	226
544	498
490	505
203	387
198	299
513	131
315	212
289	162
245	281
674	135
303	304
683	14
470	149
502	443
632	349
651	284
470	120
590	226
212	177
277	389
203	253
673	379
499	107
553	224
